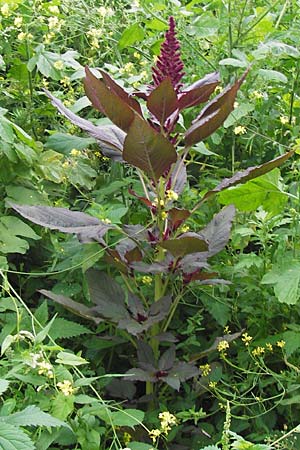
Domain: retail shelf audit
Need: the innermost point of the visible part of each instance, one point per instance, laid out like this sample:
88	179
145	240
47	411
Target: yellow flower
137	55
54	9
164	215
146	279
269	347
48	37
155	202
22	36
59	65
45	368
236	104
184	228
5	10
103	12
239	130
65	81
258	351
212	384
53	22
66	387
18	21
258	95
246	339
280	344
172	195
127	438
206	369
154	434
226	330
222	345
284	120
107	221
75	152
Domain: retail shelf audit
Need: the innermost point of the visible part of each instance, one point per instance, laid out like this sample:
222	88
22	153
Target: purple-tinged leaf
190	263
120	92
136	307
136	232
109	137
198	92
71	305
198	275
214	281
166	337
178	176
129	251
214	114
184	371
249	174
137	374
177	216
107	102
213	347
147	149
185	244
161	307
217	232
145	354
173	381
158	267
166	361
162	101
86	227
142	199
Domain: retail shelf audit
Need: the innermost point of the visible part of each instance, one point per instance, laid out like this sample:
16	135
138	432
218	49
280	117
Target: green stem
230	40
294	87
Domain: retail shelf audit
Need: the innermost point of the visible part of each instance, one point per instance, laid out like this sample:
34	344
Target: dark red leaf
185	244
142	199
217	232
198	92
162	101
147	149
107	102
214	114
176	216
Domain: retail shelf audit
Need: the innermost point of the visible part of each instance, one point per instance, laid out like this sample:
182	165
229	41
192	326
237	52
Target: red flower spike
169	62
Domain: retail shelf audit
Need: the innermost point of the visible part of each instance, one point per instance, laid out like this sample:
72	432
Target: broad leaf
127	418
33	416
177	217
185	244
86	227
132	34
285	278
249	174
13	438
198	92
3	385
147	149
106	101
162	101
178	176
217	232
213	115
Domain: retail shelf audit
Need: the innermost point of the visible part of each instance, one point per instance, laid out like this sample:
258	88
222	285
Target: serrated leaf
62	406
44	332
162	101
147	149
33	416
285	279
13	438
214	114
63	329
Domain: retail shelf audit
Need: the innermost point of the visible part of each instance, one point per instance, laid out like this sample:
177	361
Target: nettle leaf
185	244
33	416
214	114
249	174
11	228
162	101
63	329
285	279
87	228
108	102
147	149
265	191
109	137
217	232
198	92
75	307
13	438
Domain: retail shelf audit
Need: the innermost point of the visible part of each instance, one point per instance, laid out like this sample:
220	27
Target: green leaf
64	143
292	342
33	416
12	438
10	228
131	35
140	446
285	279
265	191
238	113
127	418
69	359
233	62
63	329
272	75
24	196
3	385
147	149
62	406
44	332
205	25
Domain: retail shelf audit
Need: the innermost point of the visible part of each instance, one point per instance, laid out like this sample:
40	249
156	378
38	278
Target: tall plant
151	142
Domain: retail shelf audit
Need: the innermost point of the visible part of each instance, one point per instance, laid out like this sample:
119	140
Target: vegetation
149	225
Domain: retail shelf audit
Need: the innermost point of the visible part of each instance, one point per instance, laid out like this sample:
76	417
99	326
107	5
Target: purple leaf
184	371
158	267
166	361
107	102
162	101
217	232
129	251
214	114
185	244
160	308
147	149
173	381
136	232
198	92
86	227
145	354
178	176
249	174
177	217
137	374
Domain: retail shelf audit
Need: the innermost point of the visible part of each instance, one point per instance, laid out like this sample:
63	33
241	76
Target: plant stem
294	87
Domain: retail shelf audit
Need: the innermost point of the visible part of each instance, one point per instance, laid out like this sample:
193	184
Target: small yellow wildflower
154	434
107	221
128	67
137	55
94	32
66	387
235	105
146	279
172	195
212	384
284	120
184	228
164	215
75	152
239	130
66	164
161	202
205	369
95	43
226	330
18	21
54	9
5	10
222	345
65	81
48	37
53	23
258	351
59	65
257	95
280	344
269	347
127	438
246	338
45	368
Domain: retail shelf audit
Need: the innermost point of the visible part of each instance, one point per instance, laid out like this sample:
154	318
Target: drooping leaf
285	278
162	101
12	230
69	359
249	174
185	244
108	102
198	92
217	232
13	438
86	227
131	35
127	418
147	149
214	114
